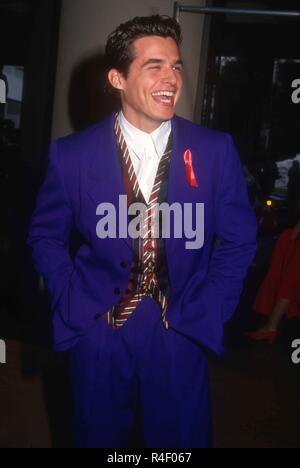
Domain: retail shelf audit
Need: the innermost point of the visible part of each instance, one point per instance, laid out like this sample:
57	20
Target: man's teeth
164	93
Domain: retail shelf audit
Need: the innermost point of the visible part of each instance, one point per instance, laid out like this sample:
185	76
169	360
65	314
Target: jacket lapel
105	182
179	189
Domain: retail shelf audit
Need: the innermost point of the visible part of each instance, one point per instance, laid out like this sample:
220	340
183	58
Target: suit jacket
84	171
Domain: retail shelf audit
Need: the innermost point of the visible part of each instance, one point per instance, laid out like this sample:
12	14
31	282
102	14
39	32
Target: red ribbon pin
190	174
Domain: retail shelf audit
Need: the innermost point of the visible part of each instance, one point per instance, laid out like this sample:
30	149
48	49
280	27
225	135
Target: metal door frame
180	8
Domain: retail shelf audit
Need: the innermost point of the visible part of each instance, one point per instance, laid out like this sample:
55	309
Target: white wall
85	25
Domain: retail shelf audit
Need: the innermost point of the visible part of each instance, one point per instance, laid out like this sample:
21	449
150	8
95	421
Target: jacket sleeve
213	302
49	232
236	229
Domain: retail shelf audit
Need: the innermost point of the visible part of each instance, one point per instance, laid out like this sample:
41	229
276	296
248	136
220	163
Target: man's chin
166	115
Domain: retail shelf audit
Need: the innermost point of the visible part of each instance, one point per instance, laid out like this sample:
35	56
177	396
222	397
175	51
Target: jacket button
123	265
117	291
97	317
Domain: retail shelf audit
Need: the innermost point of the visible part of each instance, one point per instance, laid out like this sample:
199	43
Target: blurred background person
294	183
279	294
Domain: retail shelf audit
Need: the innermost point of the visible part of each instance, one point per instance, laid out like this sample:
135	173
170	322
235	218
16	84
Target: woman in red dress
279	295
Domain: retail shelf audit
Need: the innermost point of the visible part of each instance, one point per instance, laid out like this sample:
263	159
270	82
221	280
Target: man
137	313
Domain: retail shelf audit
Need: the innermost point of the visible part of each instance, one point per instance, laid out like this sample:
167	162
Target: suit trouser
112	370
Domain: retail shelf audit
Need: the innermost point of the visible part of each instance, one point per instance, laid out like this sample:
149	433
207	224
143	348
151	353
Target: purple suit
206	284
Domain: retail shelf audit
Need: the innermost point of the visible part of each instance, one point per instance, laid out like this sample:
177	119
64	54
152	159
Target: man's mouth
165	97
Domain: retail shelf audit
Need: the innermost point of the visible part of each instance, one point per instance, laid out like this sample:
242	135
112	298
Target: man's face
154	83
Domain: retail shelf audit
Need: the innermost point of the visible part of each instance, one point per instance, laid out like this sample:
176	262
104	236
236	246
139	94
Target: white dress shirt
146	151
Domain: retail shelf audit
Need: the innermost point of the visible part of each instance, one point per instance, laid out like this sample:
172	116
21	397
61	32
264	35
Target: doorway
251	65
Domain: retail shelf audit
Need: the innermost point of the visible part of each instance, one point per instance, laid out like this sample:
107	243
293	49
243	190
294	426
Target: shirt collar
141	142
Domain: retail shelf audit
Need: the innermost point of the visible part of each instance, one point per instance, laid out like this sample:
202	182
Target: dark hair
119	53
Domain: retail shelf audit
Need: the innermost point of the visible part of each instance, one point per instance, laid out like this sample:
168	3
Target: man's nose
169	76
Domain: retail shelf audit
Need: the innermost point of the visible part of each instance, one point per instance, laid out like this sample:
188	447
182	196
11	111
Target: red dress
283	278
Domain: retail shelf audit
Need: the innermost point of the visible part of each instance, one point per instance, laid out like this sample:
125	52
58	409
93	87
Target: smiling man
138	314
151	90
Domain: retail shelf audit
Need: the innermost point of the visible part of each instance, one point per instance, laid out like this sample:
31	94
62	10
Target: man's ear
116	79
